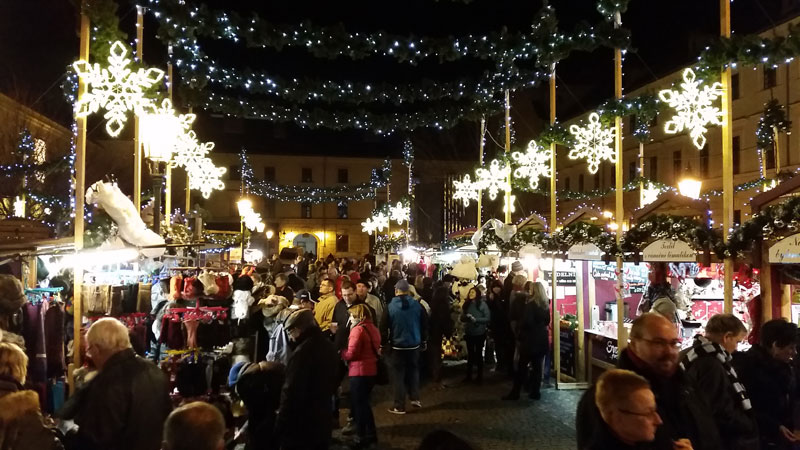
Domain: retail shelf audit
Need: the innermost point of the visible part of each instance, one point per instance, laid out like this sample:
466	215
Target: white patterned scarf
703	346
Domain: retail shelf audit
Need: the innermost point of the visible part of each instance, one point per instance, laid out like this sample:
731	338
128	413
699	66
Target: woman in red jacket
361	354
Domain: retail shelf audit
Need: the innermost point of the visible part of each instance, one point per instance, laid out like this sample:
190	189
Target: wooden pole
480	163
776	138
508	150
137	149
168	173
188	197
727	158
553	227
622	338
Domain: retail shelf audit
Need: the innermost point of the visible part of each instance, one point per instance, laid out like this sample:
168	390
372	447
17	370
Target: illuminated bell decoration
533	164
399	213
494	179
163	132
593	142
693	108
466	190
115	88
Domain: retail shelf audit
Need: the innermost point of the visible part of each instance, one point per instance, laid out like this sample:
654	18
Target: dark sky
38	39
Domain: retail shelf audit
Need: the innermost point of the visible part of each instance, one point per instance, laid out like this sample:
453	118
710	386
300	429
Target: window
305	210
269	174
769	156
632	170
737	217
342	243
235	173
342	176
341	210
566	184
677	164
580	183
770	77
270	208
631	123
597	180
737	155
735	86
704	161
653	168
305	175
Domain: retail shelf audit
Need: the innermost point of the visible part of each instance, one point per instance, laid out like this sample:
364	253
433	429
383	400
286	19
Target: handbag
382	375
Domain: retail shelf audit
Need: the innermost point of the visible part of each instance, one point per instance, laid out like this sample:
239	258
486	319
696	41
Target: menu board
567	351
604	349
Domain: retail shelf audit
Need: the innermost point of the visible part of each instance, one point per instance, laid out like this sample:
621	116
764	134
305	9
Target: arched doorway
306	241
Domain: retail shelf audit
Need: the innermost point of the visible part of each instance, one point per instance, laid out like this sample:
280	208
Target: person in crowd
476	316
427	289
304	415
326	303
128	395
441	327
406	328
274	309
499	326
282	286
388	285
653	353
364	296
659	296
708	365
361	355
195	426
508	283
629	414
533	343
21	422
419	283
259	388
518	298
766	372
304	299
444	440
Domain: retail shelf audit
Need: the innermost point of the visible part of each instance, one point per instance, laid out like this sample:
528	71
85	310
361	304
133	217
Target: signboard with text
585	252
786	251
669	250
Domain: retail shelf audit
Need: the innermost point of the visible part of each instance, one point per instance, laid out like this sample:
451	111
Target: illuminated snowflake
593	142
116	88
649	194
693	108
399	213
533	164
466	190
369	226
494	179
206	177
166	132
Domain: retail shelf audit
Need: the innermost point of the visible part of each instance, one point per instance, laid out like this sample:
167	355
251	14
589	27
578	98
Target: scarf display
703	346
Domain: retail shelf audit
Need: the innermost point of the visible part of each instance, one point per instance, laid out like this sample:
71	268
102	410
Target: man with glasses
653	353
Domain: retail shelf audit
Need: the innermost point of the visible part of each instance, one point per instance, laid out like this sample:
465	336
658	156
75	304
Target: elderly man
628	409
653	353
125	405
326	303
275	310
195	426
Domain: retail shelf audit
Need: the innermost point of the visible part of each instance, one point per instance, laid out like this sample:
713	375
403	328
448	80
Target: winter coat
362	350
441	321
341	316
683	409
771	387
479	311
737	426
124	407
286	292
533	335
406	323
377	306
499	325
323	311
304	417
21	424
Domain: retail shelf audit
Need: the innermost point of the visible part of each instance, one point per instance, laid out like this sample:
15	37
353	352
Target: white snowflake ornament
399	213
116	88
494	179
694	108
206	177
466	190
593	142
533	164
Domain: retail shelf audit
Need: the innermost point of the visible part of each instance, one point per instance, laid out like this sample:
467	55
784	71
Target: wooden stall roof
582	214
534	221
786	188
674	204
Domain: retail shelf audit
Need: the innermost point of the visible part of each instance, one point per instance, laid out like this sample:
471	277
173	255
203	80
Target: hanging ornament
205	177
533	164
399	213
649	194
693	108
466	190
593	142
115	88
494	179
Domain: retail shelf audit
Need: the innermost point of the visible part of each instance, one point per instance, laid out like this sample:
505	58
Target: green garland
453	244
578	233
555	134
105	28
389	244
643	108
662	226
774	116
773	221
224	240
610	8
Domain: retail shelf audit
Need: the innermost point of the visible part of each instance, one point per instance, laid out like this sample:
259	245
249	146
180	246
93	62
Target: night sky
38	39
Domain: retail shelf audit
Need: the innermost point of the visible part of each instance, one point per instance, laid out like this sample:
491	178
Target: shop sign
786	251
603	271
585	252
563	278
669	250
605	349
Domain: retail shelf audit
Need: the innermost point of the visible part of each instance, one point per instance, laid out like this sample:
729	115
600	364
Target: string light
593	142
533	164
693	107
494	179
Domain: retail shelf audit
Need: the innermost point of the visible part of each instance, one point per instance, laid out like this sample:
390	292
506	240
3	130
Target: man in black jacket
653	353
708	364
304	417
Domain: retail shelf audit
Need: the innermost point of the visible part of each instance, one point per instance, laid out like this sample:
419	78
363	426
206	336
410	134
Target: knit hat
402	286
12	297
517	266
302	318
304	295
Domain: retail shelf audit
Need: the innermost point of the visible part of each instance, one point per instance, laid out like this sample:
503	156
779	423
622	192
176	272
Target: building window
305	175
653	168
737	217
704	161
342	243
566	184
735	86
631	123
341	210
597	180
235	173
770	77
631	170
677	164
305	210
580	183
769	156
269	174
737	155
342	176
270	208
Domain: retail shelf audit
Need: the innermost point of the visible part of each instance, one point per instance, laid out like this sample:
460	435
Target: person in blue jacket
476	317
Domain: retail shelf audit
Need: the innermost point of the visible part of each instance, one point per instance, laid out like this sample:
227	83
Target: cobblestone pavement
477	414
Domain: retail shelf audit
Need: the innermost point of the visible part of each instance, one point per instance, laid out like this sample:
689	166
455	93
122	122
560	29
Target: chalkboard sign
567	350
604	349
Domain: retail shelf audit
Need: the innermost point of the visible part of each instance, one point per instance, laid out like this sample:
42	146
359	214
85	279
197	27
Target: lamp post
158	140
245	206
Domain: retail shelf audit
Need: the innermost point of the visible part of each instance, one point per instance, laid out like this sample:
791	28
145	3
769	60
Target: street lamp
158	145
245	207
689	187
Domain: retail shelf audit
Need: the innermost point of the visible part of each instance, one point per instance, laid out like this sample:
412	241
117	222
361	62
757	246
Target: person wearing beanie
12	297
405	332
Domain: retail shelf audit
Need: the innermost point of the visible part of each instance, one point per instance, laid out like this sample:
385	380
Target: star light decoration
693	108
399	213
593	142
466	190
116	88
494	179
533	164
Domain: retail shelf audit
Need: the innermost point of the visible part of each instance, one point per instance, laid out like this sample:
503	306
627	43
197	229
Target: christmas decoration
164	128
400	212
115	88
772	222
533	164
661	226
494	179
649	194
466	190
593	142
773	119
206	177
389	244
693	107
251	219
643	108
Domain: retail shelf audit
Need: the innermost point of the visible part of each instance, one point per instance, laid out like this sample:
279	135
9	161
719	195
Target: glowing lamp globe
689	187
244	206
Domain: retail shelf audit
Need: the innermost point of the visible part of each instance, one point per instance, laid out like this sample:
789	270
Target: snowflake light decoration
165	132
509	201
593	142
494	179
368	226
205	177
399	213
466	190
116	88
693	108
649	194
533	164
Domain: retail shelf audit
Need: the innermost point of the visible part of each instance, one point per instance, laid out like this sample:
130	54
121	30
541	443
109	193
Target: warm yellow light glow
613	226
252	220
397	233
320	235
245	206
270	234
649	194
593	142
608	214
115	88
494	179
689	187
290	236
19	207
97	258
163	131
693	108
533	164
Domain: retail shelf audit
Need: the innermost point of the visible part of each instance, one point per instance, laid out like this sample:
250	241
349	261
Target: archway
306	241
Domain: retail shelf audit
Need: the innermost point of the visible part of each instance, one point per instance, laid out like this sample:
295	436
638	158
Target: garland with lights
555	134
454	244
314	194
578	233
389	244
664	226
224	240
610	8
772	222
644	108
773	119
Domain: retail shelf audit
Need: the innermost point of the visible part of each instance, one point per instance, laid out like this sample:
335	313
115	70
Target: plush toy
488	261
465	269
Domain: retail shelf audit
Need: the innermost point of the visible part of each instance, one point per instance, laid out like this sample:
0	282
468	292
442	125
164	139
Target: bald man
195	426
653	353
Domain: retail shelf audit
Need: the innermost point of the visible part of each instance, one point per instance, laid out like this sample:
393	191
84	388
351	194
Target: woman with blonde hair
21	422
533	343
361	354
